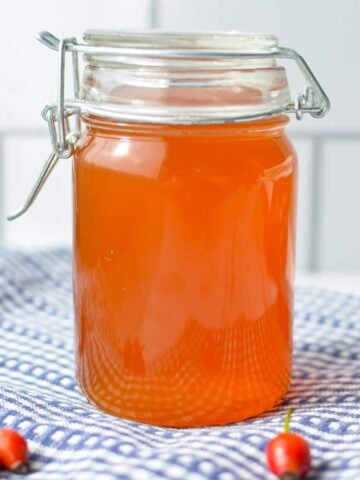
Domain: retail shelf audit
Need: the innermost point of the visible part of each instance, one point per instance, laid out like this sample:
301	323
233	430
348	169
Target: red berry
288	454
13	451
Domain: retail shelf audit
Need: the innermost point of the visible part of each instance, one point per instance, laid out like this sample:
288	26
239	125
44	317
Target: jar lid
177	78
212	41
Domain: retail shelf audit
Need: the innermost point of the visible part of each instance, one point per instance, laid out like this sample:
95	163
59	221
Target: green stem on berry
287	420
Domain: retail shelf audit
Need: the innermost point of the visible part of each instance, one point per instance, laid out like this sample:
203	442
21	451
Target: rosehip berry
288	454
13	451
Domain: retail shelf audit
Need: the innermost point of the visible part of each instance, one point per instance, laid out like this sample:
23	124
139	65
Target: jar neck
187	96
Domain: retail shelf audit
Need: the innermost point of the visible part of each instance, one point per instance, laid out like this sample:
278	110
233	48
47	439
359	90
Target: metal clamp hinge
57	116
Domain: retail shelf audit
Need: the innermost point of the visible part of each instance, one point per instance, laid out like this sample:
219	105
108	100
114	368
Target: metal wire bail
313	100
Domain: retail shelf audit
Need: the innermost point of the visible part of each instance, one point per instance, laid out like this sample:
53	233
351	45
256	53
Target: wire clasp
63	138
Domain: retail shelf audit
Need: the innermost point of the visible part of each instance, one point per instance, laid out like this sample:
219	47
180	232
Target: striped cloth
70	439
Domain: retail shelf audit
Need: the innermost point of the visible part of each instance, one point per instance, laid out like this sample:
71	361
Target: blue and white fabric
71	440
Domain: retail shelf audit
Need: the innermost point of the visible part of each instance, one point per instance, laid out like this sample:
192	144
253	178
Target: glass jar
184	213
184	254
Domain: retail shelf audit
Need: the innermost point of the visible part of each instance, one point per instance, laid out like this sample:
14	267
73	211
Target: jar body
183	269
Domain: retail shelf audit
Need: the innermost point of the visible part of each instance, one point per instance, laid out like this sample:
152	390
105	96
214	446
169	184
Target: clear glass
183	89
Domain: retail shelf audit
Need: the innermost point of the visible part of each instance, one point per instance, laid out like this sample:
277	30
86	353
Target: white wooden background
325	32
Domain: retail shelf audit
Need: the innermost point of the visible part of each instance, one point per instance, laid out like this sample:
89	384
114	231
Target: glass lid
231	40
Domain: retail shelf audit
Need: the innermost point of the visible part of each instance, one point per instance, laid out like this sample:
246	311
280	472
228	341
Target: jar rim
269	126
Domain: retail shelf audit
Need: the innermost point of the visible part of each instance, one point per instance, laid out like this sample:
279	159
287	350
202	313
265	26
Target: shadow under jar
184	204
